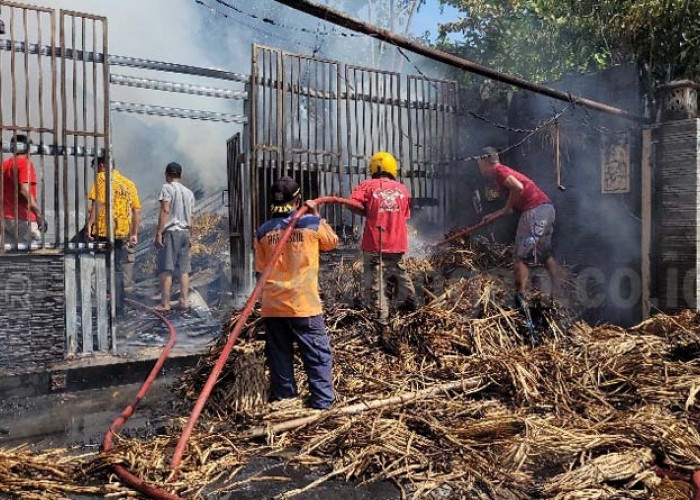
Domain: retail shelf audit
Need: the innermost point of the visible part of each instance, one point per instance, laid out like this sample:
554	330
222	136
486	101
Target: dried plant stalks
469	386
588	413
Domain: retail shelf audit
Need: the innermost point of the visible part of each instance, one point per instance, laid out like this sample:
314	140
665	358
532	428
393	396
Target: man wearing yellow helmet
387	207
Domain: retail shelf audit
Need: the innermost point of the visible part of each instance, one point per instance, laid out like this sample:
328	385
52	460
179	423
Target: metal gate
320	121
57	95
238	200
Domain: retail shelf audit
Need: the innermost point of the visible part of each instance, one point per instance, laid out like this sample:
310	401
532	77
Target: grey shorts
174	257
533	239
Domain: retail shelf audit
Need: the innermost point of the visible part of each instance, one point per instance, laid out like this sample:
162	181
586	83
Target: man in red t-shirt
387	207
20	209
533	240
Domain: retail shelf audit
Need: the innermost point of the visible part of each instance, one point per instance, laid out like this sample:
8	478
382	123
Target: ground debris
587	413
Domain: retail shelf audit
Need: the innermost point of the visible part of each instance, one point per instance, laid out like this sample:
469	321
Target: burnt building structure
626	192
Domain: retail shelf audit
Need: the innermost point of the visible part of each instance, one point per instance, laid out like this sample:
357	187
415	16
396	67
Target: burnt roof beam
341	19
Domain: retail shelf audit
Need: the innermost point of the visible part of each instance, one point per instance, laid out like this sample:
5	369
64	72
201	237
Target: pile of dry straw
588	413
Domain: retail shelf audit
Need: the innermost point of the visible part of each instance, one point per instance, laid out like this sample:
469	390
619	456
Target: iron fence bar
2	161
15	5
15	201
106	70
175	87
95	138
411	153
254	137
54	150
308	122
385	90
291	116
348	131
124	61
54	106
429	148
192	114
320	131
27	111
299	125
84	127
398	130
217	74
76	180
82	15
267	114
339	137
64	140
132	62
279	96
23	128
40	98
319	184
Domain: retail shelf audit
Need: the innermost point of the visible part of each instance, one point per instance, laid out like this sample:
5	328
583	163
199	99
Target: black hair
490	153
19	138
174	169
379	174
20	144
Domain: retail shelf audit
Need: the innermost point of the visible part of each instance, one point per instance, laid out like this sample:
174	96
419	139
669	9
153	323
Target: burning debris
464	405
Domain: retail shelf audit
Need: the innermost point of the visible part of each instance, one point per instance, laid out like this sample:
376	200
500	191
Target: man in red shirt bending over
533	240
387	207
20	209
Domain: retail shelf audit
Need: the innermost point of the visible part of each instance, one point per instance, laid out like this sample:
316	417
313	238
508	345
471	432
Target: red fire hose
151	491
128	477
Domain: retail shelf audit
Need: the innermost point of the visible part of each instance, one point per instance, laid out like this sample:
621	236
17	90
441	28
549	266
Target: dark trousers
120	258
314	345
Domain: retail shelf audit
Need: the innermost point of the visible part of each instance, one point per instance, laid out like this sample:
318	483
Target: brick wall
32	324
677	214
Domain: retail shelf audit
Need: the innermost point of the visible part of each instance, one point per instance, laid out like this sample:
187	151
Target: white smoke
185	32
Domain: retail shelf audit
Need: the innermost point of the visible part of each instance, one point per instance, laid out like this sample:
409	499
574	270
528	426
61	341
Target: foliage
545	39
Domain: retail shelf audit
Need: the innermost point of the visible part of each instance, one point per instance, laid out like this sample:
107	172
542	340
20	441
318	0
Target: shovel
460	234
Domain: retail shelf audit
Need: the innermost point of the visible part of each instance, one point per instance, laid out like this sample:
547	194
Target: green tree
545	39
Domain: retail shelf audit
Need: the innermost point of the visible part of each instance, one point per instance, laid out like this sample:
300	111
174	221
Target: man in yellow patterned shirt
126	210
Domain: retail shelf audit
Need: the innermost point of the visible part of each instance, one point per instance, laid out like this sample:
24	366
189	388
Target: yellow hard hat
384	162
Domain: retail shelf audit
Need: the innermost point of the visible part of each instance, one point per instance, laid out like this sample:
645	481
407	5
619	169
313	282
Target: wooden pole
646	221
469	385
341	19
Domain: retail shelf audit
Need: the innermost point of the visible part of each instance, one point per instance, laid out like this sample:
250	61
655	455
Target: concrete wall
676	214
32	324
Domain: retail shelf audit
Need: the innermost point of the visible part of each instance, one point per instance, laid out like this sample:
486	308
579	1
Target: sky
431	15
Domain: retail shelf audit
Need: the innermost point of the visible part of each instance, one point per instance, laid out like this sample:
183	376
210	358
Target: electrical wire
217	12
541	126
272	22
317	47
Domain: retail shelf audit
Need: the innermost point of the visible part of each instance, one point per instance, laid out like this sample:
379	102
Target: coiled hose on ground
124	474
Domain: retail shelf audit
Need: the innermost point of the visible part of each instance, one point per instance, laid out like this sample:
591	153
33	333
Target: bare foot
161	308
